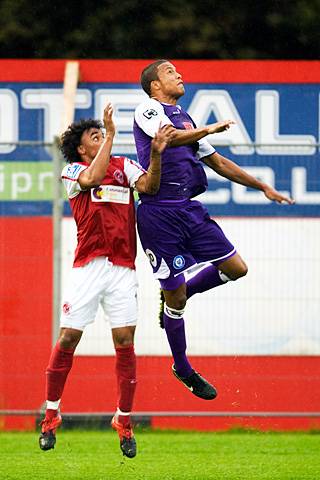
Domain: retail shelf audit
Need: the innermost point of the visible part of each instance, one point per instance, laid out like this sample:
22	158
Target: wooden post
70	83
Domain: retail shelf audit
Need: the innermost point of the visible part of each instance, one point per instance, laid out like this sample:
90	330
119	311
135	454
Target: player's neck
162	98
86	159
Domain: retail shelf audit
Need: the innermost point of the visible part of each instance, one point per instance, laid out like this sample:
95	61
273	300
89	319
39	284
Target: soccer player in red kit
100	191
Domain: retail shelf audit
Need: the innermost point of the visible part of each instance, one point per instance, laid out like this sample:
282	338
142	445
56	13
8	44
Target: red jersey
104	215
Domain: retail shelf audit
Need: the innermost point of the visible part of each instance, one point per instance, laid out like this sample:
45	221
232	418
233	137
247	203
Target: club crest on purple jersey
188	125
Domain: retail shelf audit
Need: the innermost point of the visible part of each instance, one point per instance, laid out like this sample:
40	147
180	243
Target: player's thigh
207	242
163	232
119	299
81	297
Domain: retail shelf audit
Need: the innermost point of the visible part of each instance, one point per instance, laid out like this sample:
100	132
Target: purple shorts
177	236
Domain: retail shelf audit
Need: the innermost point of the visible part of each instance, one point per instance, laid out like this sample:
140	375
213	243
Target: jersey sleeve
150	115
70	175
133	171
204	149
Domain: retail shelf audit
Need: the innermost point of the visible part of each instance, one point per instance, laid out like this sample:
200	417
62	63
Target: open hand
220	126
162	138
276	196
108	120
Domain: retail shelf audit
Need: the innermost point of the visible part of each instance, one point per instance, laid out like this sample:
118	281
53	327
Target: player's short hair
71	138
149	74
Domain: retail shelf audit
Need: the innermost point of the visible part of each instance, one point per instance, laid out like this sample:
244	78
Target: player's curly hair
149	74
71	138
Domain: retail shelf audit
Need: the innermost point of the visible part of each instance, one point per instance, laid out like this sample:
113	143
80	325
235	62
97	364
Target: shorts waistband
164	202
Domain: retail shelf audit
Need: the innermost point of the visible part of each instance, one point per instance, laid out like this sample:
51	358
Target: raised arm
95	173
230	170
150	181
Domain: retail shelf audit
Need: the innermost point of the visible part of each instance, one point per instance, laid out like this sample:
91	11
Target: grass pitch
92	455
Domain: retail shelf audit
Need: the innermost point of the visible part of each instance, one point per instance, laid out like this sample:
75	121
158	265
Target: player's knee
122	337
238	272
123	341
241	271
176	299
69	338
178	303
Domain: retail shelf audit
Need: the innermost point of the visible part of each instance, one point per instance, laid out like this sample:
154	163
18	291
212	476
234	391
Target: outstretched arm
150	115
186	137
230	170
150	181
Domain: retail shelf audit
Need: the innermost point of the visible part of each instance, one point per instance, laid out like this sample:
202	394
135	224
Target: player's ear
154	86
81	150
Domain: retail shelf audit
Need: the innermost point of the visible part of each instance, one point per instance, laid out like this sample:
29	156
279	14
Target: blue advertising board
275	138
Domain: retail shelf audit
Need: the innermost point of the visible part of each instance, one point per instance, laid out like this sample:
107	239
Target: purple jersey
175	232
182	175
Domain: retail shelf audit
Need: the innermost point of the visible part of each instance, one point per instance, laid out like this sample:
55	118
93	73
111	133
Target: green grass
95	455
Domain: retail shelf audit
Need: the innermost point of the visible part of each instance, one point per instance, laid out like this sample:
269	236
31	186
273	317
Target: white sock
119	412
224	277
53	405
173	312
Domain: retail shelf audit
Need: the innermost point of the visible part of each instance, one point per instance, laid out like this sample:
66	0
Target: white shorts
100	282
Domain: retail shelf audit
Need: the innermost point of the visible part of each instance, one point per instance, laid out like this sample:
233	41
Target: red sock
126	376
60	364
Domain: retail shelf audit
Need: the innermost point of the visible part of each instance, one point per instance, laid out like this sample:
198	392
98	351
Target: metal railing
155	413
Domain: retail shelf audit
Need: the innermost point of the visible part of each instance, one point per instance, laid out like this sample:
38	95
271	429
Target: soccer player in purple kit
177	232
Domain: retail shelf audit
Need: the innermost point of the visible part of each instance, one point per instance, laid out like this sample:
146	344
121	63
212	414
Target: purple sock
204	280
177	341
